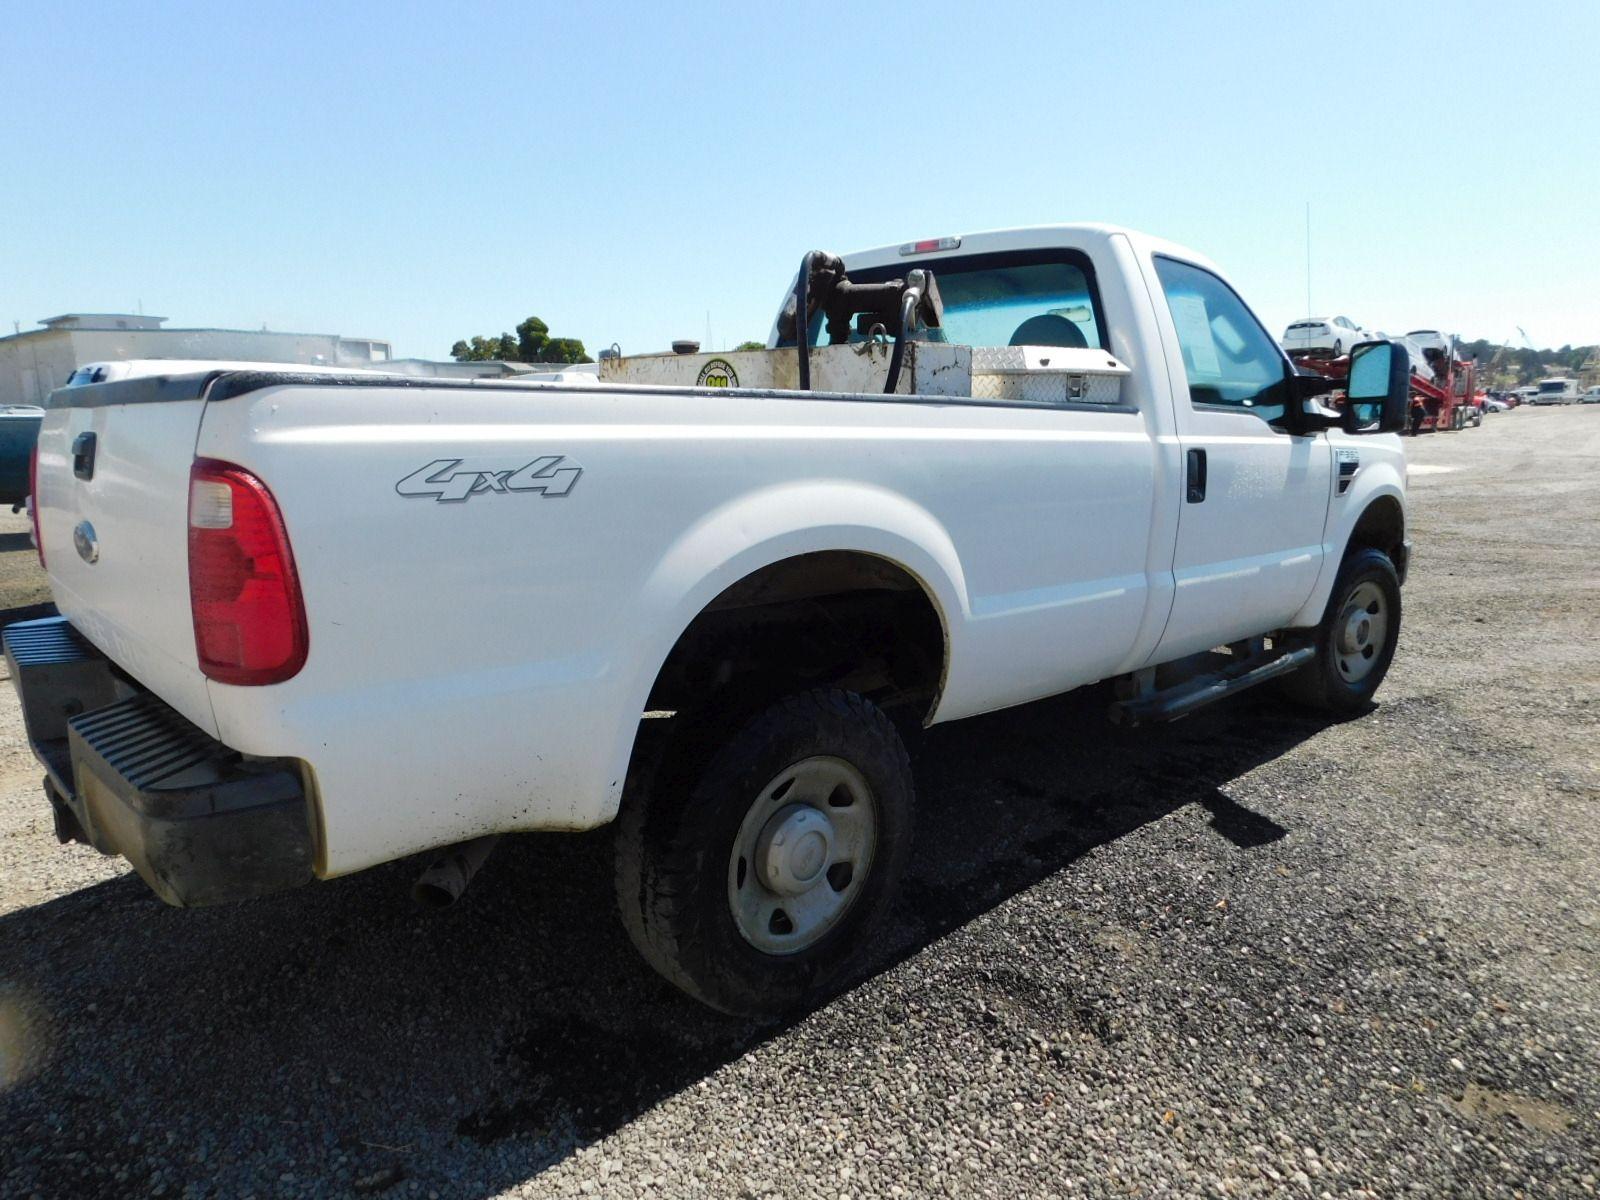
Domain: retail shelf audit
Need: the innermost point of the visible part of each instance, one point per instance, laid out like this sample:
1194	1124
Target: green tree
1522	365
533	338
751	346
564	350
531	343
479	349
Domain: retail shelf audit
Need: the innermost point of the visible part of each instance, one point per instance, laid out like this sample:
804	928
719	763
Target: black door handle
83	456
1196	476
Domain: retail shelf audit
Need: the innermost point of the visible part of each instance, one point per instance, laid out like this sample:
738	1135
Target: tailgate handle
83	456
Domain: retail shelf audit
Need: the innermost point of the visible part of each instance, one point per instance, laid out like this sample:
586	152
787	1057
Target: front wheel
766	850
1356	641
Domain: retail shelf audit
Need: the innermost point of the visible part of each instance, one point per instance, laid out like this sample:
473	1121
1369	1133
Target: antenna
1309	309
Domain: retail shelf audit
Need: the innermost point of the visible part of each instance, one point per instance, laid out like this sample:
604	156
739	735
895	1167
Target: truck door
1254	499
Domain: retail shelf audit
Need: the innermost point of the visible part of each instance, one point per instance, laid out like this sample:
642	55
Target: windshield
1031	298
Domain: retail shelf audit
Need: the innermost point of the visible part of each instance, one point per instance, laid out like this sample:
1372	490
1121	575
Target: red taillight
249	620
33	501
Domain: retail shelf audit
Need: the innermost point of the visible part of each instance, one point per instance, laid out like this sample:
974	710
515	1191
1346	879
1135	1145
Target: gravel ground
1248	954
23	585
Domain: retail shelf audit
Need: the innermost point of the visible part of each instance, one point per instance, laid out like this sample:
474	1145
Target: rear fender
766	527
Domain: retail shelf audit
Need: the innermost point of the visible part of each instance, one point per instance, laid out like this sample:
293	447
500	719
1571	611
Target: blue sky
424	173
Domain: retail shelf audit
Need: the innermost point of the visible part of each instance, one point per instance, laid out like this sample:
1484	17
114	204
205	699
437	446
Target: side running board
1149	704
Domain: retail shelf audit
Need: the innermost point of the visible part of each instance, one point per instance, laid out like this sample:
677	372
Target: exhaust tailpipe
442	883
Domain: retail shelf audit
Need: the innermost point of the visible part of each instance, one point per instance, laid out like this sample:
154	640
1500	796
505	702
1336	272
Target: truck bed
450	619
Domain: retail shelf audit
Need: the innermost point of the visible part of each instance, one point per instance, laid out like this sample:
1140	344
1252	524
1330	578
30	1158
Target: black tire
1338	348
1321	683
675	849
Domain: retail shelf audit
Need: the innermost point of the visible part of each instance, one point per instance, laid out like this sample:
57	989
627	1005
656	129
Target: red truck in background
1449	399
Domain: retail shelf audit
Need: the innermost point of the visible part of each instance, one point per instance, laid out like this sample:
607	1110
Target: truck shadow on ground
337	1033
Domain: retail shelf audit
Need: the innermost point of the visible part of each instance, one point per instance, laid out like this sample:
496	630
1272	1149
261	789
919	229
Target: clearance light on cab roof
930	245
249	619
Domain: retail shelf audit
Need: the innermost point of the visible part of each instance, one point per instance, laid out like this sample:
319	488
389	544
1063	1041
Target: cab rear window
1024	298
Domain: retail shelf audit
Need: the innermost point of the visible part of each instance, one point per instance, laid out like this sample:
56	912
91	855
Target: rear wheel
1356	640
766	850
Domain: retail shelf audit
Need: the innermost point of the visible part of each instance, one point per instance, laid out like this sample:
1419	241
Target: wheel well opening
1381	527
836	618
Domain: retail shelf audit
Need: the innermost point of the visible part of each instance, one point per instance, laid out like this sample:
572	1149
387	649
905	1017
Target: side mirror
1378	393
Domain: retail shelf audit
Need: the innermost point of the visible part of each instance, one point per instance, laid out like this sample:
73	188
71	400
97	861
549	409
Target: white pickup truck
312	622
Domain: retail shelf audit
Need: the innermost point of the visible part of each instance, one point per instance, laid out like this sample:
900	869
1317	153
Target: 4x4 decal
449	480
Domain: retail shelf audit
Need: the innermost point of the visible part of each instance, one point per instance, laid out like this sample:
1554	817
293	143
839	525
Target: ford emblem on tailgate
84	539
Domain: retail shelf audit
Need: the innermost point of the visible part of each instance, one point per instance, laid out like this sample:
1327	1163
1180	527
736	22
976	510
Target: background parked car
1334	334
1557	389
19	430
1592	396
1431	339
1419	360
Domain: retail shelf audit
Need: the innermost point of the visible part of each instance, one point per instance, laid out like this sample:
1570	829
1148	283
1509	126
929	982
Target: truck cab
1209	386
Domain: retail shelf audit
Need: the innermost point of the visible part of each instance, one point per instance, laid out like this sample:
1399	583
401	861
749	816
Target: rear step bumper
201	823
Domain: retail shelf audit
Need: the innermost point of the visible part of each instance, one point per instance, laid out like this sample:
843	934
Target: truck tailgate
113	516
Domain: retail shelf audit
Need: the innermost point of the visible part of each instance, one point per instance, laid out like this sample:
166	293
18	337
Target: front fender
1381	474
764	527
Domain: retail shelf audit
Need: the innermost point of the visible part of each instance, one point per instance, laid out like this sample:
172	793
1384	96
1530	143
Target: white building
36	361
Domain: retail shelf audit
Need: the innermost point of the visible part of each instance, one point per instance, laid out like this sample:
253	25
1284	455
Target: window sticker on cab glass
1194	333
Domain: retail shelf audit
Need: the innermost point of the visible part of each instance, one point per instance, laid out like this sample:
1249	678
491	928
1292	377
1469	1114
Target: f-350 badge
451	480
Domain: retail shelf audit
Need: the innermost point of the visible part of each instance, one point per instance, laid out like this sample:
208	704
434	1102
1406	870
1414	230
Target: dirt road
1249	954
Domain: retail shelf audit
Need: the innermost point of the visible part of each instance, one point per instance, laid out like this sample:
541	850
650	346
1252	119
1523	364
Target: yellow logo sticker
717	373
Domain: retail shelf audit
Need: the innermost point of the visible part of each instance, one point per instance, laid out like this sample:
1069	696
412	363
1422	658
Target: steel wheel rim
1361	631
802	855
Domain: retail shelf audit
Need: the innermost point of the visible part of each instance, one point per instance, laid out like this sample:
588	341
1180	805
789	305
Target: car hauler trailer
1449	400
